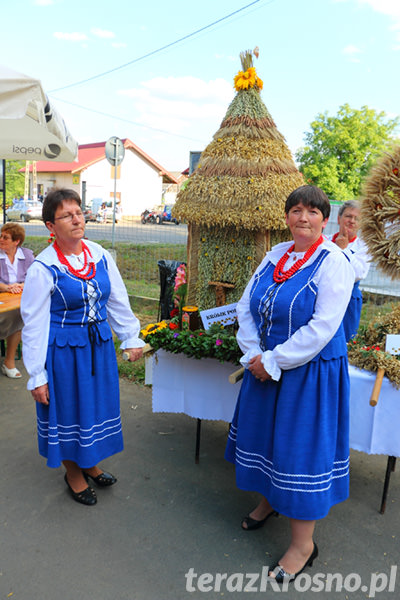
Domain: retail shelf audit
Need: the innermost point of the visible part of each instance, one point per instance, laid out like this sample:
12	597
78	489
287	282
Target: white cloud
387	7
70	37
180	104
189	87
390	8
351	50
102	33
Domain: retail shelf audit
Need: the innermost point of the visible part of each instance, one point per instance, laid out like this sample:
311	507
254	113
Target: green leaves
216	342
340	150
15	181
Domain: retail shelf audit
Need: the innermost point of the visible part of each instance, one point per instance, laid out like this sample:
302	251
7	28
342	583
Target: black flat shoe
103	480
87	496
254	523
281	575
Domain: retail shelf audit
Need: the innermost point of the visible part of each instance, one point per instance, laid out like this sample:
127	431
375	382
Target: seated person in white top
356	251
14	264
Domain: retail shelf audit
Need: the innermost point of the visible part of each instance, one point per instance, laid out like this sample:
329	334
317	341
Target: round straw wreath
380	213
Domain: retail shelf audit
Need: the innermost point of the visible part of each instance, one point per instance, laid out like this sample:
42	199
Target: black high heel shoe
281	575
103	480
254	523
87	496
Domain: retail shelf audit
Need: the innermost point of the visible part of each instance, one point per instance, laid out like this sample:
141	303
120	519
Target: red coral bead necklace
88	270
280	276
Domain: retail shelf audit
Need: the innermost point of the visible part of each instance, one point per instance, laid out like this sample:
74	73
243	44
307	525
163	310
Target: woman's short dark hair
309	195
54	199
15	231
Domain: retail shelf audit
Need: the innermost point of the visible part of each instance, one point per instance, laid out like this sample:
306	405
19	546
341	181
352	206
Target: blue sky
315	55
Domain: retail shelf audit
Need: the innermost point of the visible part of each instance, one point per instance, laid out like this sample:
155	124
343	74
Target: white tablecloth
200	389
373	429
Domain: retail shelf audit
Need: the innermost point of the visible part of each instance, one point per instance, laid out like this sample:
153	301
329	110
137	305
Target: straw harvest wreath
380	213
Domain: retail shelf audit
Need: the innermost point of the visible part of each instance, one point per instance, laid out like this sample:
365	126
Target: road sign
115	151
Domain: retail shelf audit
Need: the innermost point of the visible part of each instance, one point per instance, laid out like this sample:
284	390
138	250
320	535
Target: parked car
164	215
89	215
24	210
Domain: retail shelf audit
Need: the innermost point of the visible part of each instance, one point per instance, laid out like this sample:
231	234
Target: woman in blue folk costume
289	438
73	296
357	253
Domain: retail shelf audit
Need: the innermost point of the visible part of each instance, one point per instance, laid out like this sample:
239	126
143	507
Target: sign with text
225	315
393	343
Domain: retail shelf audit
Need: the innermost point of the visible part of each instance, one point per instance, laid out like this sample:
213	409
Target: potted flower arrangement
216	342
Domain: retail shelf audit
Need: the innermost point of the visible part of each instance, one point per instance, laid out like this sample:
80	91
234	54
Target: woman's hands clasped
256	368
15	288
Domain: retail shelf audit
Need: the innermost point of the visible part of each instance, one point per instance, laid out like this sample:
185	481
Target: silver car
24	210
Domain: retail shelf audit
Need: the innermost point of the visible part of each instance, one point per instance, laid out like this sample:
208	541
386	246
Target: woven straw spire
246	173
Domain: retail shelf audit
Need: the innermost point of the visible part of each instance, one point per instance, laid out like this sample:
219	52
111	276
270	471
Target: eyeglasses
69	216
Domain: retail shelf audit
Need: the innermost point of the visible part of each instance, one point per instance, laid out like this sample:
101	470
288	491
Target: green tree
340	150
15	181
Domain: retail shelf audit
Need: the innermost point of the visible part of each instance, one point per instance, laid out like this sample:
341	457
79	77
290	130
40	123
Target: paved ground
166	516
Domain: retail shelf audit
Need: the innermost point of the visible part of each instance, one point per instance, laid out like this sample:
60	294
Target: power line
103	114
185	37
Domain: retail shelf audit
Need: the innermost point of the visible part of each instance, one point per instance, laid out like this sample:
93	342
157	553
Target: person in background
289	438
73	296
104	212
356	251
14	264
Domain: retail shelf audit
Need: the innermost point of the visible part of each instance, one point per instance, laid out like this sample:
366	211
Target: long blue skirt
82	422
289	440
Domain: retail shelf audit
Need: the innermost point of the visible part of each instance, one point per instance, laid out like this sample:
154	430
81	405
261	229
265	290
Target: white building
139	182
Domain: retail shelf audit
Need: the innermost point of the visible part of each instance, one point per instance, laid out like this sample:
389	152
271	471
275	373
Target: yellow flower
249	258
247	79
205	253
260	83
238	76
153	327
